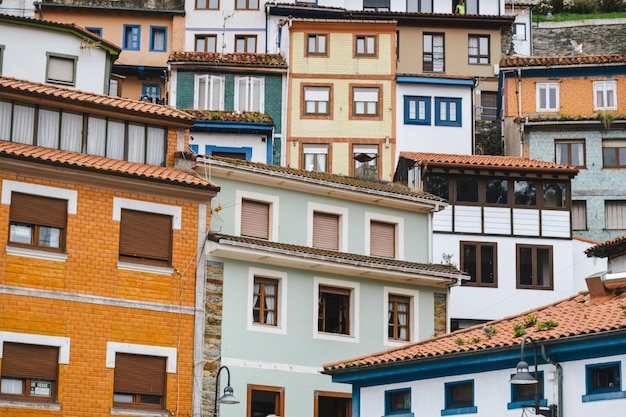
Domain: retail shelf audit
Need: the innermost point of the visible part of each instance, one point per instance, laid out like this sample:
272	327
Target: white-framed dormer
267	301
403	296
264	207
388	223
335	294
335	217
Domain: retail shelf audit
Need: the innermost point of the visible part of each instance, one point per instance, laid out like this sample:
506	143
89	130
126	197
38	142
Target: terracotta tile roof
431	75
103	165
231	116
570	60
237	59
616	246
485	161
102	101
388	188
438	270
575	316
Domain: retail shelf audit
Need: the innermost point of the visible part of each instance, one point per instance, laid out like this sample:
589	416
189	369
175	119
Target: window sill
36	254
337	337
118	411
129	266
604	396
399	415
463	410
30	405
529	403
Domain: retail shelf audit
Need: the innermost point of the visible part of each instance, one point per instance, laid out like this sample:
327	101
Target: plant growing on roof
459	341
606	118
623	307
546	325
519	330
530	320
474	340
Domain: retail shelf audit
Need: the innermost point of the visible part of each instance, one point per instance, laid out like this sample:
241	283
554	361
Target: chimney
605	285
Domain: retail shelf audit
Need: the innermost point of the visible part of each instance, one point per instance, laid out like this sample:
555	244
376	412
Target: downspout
559	381
519	110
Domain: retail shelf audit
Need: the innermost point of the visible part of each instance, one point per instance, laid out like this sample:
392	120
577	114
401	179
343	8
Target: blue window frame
603	381
448	111
151	91
459	398
398	403
524	395
158	38
417	110
132	37
94	30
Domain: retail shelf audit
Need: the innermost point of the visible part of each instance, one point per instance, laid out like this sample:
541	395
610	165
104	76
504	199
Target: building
315	267
99	268
575	349
570	110
507	225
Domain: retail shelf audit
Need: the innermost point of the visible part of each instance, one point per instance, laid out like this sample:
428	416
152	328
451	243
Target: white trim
266	198
126	203
547	86
271	366
414	316
281	318
117	411
148	350
355	298
343	222
36	254
161	270
30	405
398	221
9	186
63	343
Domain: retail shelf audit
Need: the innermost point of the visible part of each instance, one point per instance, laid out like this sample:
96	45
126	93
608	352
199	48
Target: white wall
523	15
22	8
232	140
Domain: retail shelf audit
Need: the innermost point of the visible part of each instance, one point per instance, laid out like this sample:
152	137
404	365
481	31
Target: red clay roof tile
236	59
552	61
611	247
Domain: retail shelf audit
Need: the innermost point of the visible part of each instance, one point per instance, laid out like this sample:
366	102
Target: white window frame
281	317
601	86
342	212
355	297
547	86
519	31
249	84
398	221
314	149
272	200
210	82
413	306
316	94
365	96
169	353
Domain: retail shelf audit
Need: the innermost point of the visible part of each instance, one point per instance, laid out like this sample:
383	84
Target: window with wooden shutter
382	239
29	372
325	230
38	221
255	219
139	381
145	237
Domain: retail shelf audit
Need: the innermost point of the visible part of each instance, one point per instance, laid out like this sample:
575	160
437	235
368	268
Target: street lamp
523	377
228	397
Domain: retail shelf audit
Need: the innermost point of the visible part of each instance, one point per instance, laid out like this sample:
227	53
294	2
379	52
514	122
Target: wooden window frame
127	42
316	52
583	204
205	38
365	53
247	6
394	326
378	114
621	205
267	234
534	267
346	294
42	365
336	395
140	225
615	147
50	57
245	39
524	394
429	66
153	32
316	145
448	102
34	211
263	281
304	114
568	144
208	5
147	372
279	402
480	55
477	281
357	164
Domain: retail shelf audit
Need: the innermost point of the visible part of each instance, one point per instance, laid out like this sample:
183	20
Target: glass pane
11	386
96	136
21	233
71	132
525	193
467	189
49	237
496	191
150	399
48	128
554	194
487	264
136	143
577	154
400	401
525	266
622	156
543	267
438	185
122	398
115	140
40	388
469	261
608	156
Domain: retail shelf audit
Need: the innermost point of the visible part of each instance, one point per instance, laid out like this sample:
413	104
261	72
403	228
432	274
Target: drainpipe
559	380
519	109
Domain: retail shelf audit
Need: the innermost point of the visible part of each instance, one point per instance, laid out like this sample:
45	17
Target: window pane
12	386
554	194
48	129
438	185
525	193
467	189
496	191
49	237
487	264
609	157
469	261
21	233
543	267
525	266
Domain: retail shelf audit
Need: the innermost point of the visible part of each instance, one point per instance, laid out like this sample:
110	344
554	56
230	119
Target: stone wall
488	137
440	313
212	333
126	4
599	36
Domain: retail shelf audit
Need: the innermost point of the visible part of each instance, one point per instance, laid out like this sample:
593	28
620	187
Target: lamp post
228	397
523	377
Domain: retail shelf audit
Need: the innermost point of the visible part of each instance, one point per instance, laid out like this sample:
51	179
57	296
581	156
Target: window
265	401
1	57
334	310
61	69
605	95
534	267
478	49
316	101
365	45
315	157
471	7
365	159
433	58
614	153
603	381
579	215
246	4
96	31
332	404
496	192
525	193
317	44
398	402
547	97
206	43
524	394
326	230
376	5
417	110
245	43
479	260
567	152
158	38
448	111
438	185
38	222
519	31
249	94
365	101
132	37
615	214
139	381
382	239
255	218
208	4
459	395
209	92
554	194
29	372
399	322
489	105
145	237
422	6
264	309
467	189
151	92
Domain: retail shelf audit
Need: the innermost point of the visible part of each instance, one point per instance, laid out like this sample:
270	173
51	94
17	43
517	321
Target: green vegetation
546	325
519	330
565	17
530	320
459	341
565	10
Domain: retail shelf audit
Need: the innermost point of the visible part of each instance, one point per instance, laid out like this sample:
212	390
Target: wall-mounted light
387	141
228	397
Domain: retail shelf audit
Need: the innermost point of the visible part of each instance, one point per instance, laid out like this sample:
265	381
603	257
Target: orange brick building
99	263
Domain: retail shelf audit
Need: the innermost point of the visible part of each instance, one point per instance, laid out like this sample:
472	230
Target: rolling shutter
383	239
326	231
22	360
42	211
146	236
255	219
139	374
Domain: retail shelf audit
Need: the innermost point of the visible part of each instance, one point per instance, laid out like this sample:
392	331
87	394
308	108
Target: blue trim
403	414
151	90
464	410
232	127
398	413
565	72
448	103
604	396
417	100
515	392
269	150
527	403
614	367
95	30
407	79
356	401
193	148
152	29
134	43
209	149
449	405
